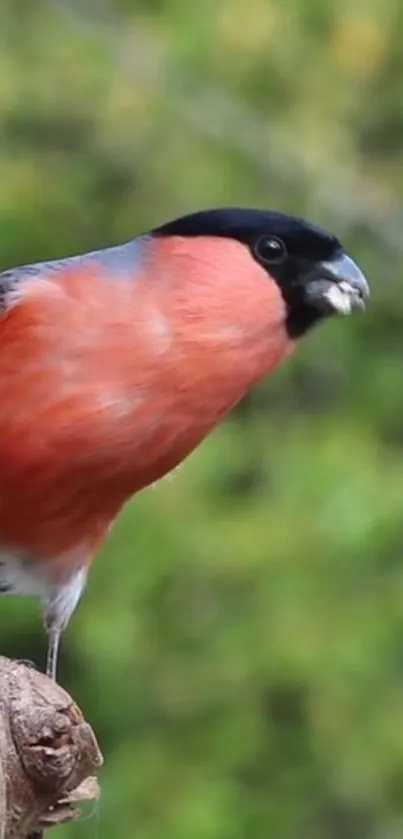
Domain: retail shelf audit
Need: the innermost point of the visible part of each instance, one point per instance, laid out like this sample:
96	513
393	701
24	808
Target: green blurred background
239	649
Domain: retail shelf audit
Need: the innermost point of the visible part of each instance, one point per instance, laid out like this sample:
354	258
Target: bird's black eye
270	250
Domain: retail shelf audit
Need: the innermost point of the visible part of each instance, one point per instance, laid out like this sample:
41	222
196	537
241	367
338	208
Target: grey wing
10	280
13	277
121	258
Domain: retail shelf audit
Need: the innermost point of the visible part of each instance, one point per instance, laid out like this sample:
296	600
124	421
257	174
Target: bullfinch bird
115	364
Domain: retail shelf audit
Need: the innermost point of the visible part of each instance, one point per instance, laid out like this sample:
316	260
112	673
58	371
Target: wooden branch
48	754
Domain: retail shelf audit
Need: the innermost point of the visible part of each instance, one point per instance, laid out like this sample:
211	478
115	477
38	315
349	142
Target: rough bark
48	754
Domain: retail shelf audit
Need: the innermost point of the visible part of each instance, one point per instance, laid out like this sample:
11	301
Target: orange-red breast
115	364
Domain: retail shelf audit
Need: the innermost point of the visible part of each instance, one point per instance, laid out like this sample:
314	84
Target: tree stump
48	754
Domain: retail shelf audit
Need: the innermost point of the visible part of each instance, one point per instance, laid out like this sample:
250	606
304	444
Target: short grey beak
337	286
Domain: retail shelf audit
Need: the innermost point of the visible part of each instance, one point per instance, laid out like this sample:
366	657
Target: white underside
60	599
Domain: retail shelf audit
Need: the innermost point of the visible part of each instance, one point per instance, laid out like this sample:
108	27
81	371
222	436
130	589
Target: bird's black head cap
288	247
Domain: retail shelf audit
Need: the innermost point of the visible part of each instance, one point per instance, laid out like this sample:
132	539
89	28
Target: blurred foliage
240	646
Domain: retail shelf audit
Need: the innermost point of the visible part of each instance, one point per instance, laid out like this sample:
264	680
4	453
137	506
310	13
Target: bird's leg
59	606
54	632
